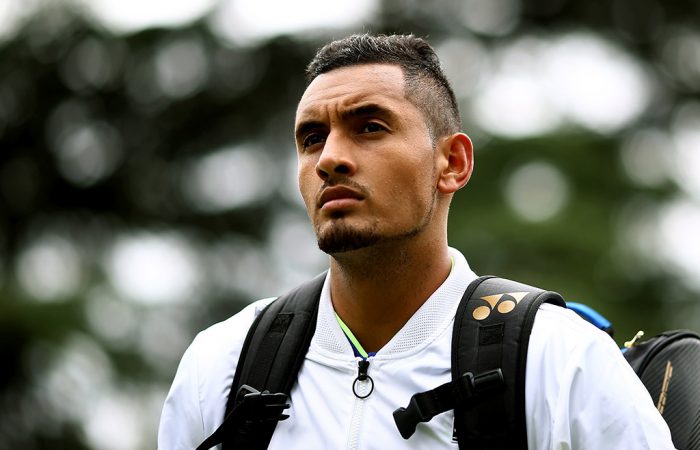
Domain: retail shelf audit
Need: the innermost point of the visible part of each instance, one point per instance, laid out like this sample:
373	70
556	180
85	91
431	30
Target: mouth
338	197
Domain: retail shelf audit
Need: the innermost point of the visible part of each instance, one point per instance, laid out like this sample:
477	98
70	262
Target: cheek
416	176
306	179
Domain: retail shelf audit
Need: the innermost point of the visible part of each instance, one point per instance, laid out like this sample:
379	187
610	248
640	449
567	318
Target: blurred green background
147	177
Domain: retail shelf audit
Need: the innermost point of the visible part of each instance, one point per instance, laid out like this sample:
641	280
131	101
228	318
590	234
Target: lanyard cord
356	346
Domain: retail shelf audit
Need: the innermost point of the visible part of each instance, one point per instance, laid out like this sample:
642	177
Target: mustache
344	182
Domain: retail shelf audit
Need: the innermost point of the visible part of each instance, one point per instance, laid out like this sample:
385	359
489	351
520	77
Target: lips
336	194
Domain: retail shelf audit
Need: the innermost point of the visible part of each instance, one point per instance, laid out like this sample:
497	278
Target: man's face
366	159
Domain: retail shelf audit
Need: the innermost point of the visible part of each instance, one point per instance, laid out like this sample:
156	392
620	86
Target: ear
456	162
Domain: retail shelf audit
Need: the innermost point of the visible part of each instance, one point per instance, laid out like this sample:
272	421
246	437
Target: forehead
346	87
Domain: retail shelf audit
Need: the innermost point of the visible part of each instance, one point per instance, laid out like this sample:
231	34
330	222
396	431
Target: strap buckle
464	391
253	410
254	407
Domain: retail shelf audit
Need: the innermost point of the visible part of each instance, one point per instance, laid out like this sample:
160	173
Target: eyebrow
369	109
305	127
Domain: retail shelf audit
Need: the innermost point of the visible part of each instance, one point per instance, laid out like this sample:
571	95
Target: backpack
669	365
495	316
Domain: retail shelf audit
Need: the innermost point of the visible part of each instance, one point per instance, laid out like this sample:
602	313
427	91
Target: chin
340	238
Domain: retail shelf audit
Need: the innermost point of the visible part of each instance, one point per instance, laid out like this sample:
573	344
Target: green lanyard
351	337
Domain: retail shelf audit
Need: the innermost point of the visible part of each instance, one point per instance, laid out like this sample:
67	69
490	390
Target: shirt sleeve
181	423
194	407
582	394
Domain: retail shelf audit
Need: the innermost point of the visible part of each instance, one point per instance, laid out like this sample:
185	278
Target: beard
340	237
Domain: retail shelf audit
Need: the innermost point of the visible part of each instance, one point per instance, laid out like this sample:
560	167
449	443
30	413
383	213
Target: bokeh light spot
125	16
491	17
249	21
153	268
229	178
181	68
646	157
50	268
537	191
594	83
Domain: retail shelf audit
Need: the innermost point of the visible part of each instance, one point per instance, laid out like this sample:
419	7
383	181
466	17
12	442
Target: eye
372	127
313	139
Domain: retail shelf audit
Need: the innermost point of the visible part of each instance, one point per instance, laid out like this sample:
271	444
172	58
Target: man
380	155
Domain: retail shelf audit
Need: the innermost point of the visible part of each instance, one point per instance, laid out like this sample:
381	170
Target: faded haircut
425	84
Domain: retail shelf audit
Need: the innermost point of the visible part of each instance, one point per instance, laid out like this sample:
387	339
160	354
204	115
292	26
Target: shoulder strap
276	345
271	356
492	330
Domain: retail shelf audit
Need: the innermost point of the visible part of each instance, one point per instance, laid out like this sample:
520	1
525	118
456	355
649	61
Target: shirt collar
423	327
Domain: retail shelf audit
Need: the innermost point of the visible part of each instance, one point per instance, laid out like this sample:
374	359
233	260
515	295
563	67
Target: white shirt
580	393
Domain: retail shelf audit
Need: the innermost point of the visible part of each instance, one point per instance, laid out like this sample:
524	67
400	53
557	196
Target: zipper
362	388
659	343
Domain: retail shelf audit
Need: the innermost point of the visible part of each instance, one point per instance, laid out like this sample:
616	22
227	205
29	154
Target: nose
335	159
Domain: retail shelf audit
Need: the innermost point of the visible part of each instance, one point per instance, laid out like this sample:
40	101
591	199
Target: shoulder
561	346
564	350
558	329
563	343
214	352
226	338
195	404
580	391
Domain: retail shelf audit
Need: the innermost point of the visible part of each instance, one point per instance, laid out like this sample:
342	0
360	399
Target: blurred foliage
95	142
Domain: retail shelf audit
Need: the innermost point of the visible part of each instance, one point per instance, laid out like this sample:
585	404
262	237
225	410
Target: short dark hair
425	84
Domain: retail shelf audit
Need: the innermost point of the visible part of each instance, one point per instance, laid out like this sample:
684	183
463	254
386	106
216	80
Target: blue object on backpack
592	316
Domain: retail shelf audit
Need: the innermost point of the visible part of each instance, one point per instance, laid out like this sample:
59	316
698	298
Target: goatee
342	238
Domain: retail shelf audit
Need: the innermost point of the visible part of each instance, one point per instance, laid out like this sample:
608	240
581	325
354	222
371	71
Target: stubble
340	237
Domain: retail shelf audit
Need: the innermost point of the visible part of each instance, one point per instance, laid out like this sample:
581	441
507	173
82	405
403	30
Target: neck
375	291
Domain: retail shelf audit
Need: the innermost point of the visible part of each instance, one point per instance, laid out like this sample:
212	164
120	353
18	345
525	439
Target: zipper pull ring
362	368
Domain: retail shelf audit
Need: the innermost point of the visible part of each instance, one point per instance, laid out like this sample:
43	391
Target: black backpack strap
271	357
492	331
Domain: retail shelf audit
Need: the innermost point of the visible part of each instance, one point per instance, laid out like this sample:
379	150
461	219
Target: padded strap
272	355
492	330
279	342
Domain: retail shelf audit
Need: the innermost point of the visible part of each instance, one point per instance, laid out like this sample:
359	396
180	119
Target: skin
370	175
